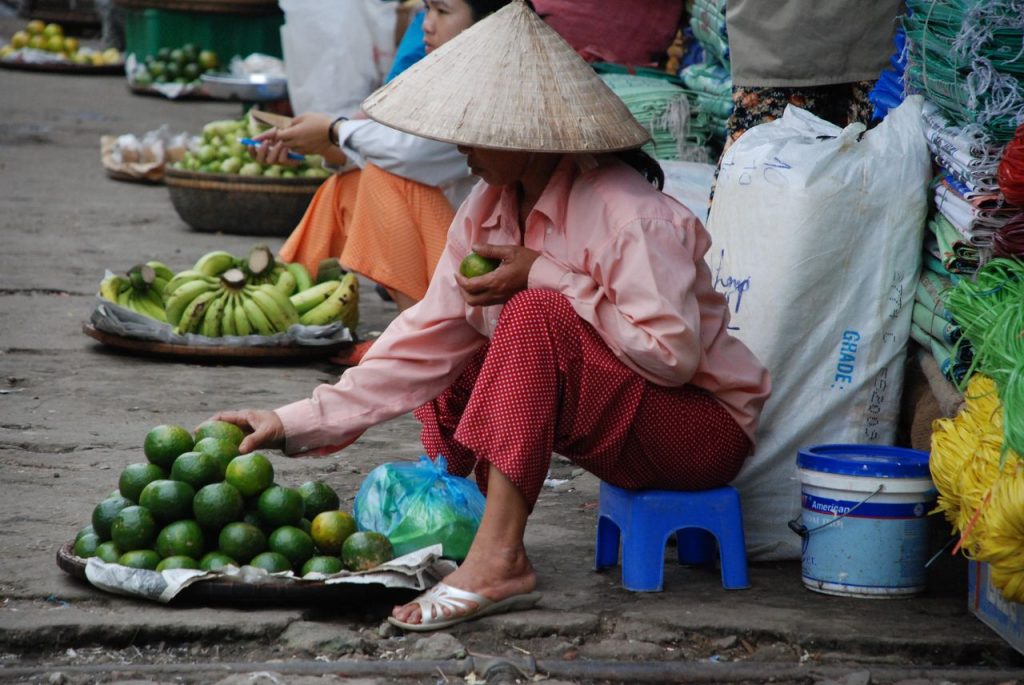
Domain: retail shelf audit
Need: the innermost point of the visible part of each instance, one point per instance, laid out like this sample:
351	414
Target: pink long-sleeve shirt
629	258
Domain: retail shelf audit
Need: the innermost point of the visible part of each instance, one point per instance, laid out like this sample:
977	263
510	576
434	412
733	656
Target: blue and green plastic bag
418	504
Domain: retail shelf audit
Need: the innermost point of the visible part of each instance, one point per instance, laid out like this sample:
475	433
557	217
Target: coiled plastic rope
983	501
1002	544
990	311
1011	169
965	454
1008	241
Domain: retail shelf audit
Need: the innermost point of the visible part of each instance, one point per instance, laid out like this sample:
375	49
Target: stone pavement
74	414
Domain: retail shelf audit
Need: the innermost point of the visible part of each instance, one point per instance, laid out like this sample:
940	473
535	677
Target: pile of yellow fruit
50	38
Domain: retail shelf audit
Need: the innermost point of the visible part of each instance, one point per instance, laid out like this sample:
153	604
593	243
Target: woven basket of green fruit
244	205
218	186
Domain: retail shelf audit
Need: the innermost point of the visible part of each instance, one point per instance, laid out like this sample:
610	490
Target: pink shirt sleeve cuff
300	426
545	274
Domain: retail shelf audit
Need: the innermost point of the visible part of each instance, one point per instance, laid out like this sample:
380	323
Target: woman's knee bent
538	304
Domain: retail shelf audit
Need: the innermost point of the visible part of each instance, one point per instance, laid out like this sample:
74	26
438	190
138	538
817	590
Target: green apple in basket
231	165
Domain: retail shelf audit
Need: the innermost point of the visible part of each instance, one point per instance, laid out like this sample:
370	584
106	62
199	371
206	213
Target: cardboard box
989	605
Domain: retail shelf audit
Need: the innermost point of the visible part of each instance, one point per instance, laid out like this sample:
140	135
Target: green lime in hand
474	265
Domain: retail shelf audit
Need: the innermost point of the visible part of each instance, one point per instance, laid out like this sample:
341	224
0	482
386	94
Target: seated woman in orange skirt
386	210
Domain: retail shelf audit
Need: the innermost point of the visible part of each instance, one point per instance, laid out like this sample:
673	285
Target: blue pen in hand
257	143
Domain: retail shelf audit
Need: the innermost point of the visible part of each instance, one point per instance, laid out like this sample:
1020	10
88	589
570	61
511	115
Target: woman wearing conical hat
599	336
385	211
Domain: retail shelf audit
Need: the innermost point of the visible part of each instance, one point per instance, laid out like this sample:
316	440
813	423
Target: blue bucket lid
878	461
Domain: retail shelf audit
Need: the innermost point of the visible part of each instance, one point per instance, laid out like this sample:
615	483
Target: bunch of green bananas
216	306
141	289
259	267
329	301
289	278
223	295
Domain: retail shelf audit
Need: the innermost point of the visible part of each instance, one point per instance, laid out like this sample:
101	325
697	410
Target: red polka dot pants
547	382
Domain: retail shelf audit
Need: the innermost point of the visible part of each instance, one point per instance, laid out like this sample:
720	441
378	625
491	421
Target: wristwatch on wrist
332	130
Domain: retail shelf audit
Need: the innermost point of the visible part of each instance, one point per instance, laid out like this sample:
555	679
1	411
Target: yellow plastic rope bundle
952	445
1003	543
982	502
959	453
978	475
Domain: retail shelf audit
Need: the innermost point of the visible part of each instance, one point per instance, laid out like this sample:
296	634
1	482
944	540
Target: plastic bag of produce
417	504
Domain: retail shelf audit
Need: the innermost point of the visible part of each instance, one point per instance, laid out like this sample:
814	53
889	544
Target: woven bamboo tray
217	591
63	67
128	178
245	205
191	94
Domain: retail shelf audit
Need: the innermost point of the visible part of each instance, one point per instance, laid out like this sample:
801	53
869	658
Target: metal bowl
251	88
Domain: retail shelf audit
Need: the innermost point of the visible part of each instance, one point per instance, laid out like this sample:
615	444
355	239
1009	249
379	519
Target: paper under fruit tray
396	581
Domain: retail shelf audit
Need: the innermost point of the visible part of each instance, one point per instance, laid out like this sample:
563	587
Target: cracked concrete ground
73	413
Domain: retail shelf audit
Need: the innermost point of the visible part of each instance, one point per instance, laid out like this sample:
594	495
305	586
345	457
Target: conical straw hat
508	82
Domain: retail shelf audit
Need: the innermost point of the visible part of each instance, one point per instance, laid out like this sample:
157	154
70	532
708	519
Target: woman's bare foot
492	573
496	566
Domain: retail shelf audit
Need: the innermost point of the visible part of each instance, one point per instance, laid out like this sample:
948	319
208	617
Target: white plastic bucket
864	519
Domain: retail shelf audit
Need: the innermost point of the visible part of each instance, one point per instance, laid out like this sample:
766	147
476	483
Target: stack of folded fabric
977	216
712	84
965	152
953	255
968	193
967	58
710	78
691	51
707	20
679	129
933	327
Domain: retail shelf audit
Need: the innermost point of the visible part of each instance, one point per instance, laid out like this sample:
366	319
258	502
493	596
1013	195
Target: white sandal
460	606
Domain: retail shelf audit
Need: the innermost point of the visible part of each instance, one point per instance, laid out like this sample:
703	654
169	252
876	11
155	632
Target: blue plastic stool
646	519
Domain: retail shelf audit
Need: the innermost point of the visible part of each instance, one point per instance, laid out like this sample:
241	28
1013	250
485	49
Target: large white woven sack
817	236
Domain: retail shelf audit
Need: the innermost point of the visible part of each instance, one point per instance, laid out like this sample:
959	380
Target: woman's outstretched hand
498	286
263	428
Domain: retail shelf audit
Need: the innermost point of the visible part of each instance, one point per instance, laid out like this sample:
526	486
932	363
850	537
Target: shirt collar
503	209
552	202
